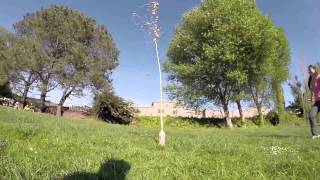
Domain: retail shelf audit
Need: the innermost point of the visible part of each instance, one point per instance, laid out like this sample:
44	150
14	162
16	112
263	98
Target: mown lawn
37	146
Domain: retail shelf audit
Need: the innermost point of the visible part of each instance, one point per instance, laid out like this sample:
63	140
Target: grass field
37	146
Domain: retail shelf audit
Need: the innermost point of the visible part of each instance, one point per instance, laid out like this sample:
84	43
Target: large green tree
4	57
281	69
269	68
211	48
19	62
222	50
25	55
79	53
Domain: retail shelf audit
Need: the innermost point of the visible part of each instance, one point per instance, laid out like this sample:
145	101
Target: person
17	105
314	86
32	108
27	108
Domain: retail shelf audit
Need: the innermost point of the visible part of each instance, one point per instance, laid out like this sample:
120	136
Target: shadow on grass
219	122
111	170
212	122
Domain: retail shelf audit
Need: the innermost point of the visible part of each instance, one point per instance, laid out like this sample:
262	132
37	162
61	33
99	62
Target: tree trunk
64	97
261	119
43	101
25	95
240	110
44	89
26	89
227	115
258	105
279	98
59	110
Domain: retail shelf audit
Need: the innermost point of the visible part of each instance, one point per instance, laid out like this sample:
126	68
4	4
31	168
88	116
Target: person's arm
310	84
310	89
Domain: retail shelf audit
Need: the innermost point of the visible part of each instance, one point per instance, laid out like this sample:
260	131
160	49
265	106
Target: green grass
37	146
287	120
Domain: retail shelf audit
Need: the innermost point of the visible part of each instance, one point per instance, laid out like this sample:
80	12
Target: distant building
38	102
171	109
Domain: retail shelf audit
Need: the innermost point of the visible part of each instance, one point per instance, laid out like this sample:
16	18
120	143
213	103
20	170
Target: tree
5	64
238	97
90	61
261	93
4	57
269	66
280	69
296	89
38	26
79	53
25	55
212	48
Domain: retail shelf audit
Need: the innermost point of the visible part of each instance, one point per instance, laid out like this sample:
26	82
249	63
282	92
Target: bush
273	118
5	90
179	122
287	119
111	108
250	122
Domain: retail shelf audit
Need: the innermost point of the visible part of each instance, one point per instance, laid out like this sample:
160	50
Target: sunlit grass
36	146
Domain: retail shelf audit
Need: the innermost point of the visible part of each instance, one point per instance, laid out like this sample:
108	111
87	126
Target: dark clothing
313	118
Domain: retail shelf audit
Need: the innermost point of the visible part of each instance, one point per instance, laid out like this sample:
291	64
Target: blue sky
136	78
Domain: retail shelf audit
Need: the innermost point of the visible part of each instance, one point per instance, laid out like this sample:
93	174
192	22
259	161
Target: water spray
151	20
156	35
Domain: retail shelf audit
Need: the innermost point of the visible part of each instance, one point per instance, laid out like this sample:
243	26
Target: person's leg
313	120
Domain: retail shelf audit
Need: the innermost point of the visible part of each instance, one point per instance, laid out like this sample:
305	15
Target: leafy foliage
273	118
290	119
5	90
223	50
4	57
280	71
296	89
78	53
111	108
24	60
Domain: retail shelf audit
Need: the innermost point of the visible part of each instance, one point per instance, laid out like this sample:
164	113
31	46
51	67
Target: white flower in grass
277	150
